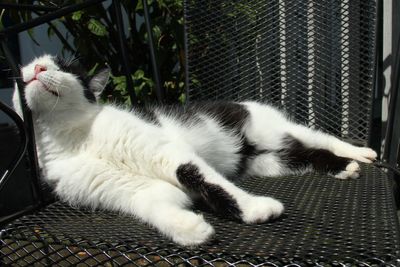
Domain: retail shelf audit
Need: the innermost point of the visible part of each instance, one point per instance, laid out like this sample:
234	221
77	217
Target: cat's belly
223	161
218	147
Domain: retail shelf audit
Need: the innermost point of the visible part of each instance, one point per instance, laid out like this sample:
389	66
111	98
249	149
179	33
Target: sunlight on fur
152	163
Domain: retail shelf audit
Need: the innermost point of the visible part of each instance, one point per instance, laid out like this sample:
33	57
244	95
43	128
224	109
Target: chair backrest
313	58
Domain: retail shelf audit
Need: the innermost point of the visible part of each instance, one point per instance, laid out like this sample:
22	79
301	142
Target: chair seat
326	221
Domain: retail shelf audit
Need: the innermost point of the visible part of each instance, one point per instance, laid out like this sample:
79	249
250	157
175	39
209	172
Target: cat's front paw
352	170
192	230
257	209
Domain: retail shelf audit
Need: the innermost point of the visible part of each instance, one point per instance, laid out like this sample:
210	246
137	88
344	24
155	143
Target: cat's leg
291	148
297	155
194	175
165	207
156	202
319	140
325	152
293	157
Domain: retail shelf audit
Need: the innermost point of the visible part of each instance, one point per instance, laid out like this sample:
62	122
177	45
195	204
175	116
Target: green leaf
97	28
120	87
156	32
139	74
139	88
195	81
119	79
119	83
182	98
92	70
150	82
139	6
77	15
128	102
50	32
169	84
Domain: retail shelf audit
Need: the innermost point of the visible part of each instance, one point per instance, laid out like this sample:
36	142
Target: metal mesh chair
316	59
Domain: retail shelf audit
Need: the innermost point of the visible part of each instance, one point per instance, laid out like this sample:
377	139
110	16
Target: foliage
91	35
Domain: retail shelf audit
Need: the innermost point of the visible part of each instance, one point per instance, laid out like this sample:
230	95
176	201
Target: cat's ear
99	82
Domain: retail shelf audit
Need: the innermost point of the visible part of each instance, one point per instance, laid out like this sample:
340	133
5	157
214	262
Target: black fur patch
247	152
89	95
231	115
299	156
215	196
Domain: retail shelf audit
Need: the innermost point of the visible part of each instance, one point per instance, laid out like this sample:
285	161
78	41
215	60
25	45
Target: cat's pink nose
39	69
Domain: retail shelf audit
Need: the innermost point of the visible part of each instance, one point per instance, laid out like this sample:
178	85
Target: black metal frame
376	110
392	142
26	131
393	116
26	127
391	153
22	147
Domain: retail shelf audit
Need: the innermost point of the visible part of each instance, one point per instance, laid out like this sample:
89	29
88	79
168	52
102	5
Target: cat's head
54	84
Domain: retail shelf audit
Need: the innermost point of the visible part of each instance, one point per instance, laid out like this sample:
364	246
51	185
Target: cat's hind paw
258	209
352	171
366	154
192	230
362	154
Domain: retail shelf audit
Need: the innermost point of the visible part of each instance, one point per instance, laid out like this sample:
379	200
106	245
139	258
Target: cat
152	163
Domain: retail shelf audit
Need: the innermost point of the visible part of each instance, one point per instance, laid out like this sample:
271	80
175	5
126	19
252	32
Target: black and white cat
148	163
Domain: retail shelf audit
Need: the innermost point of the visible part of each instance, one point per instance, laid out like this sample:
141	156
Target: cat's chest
54	145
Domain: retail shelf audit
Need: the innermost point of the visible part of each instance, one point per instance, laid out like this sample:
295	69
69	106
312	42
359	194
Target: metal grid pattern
313	58
327	222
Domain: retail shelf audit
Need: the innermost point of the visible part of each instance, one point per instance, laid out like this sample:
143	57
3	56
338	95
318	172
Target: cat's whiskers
73	60
58	97
55	104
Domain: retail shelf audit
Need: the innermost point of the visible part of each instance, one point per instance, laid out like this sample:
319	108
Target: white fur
260	209
104	156
352	171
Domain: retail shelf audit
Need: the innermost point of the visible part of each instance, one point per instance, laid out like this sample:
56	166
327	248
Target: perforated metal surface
314	58
327	221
